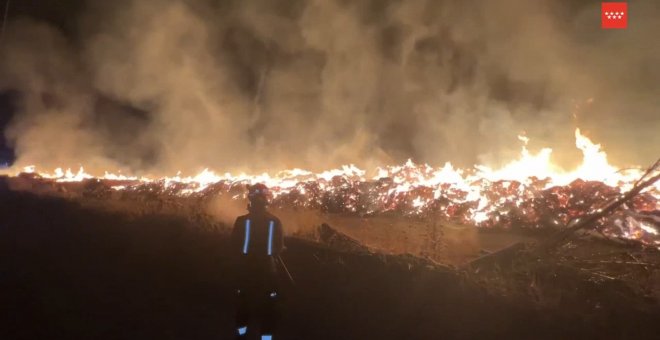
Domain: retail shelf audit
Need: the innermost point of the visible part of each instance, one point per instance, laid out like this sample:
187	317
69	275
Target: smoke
156	87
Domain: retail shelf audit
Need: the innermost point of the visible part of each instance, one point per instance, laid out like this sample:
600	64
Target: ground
70	271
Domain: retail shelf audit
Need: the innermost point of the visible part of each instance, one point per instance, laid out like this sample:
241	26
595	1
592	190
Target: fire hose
286	270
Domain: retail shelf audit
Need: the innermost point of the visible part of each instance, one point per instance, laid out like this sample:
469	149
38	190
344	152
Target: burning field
528	193
443	169
545	246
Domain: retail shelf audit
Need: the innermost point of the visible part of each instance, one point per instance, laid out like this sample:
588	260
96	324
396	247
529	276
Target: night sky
6	110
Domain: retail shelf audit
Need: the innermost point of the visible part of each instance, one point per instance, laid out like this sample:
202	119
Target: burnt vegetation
75	271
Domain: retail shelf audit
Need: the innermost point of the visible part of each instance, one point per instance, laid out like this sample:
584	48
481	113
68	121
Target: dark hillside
68	272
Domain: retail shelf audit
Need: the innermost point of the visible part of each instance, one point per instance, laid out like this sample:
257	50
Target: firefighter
257	239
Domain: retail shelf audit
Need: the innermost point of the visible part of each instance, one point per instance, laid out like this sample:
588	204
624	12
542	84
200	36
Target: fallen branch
505	255
559	239
655	165
598	274
619	262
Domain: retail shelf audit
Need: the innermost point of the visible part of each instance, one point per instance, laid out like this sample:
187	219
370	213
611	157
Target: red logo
614	15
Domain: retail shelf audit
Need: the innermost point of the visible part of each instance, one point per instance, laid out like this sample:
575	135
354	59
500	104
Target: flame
481	196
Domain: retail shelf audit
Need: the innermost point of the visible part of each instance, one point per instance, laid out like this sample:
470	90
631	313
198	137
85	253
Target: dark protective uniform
258	239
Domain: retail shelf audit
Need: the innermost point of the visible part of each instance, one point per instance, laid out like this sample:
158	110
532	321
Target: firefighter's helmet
258	195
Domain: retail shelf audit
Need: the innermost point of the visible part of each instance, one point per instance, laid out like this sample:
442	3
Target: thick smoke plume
154	87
